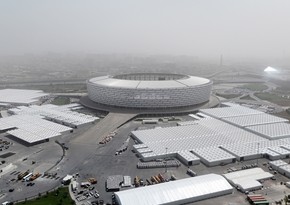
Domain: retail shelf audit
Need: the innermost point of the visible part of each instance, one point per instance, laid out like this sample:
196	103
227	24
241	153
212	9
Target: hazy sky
234	28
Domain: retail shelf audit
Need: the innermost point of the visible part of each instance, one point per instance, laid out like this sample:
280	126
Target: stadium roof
143	84
176	192
18	96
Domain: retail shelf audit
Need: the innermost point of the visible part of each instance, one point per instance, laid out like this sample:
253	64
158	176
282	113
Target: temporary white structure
230	132
250	120
272	131
176	192
38	123
21	97
60	114
276	164
188	158
247	180
232	111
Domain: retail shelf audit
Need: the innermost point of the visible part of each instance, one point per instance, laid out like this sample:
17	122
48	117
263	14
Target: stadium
149	91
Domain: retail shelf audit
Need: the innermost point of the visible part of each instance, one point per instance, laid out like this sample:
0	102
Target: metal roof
177	192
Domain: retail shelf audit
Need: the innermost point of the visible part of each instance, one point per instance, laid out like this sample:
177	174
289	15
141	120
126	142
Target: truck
34	176
23	174
27	177
136	181
191	173
92	180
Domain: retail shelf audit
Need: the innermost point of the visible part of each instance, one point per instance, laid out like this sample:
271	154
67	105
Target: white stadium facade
149	90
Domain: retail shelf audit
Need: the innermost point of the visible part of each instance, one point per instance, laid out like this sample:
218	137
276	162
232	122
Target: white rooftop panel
250	120
272	131
229	111
29	136
285	167
280	150
213	154
60	113
277	163
176	192
188	155
5	126
254	173
208	132
19	96
185	123
271	153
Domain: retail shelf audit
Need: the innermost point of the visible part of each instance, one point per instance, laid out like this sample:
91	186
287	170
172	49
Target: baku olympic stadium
148	91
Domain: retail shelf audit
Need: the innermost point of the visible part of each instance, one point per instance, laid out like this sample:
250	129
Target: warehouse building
176	192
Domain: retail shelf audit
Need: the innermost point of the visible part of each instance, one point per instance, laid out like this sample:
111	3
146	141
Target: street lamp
166	159
258	153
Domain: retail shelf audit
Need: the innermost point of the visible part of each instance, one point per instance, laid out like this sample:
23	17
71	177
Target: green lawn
58	197
274	98
61	101
255	86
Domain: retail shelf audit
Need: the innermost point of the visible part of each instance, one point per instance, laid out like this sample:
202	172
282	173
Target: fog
203	28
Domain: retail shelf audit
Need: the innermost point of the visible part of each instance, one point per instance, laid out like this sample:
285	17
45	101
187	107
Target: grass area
58	197
61	101
247	97
255	86
274	98
228	96
59	88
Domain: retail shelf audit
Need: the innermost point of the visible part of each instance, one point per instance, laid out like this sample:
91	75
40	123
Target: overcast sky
234	28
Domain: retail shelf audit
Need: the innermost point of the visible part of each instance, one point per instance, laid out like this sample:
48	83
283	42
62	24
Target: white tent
176	192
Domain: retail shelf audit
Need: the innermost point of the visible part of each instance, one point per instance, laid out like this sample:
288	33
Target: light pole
166	159
258	153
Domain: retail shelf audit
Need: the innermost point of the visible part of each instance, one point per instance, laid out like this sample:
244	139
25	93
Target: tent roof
175	191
